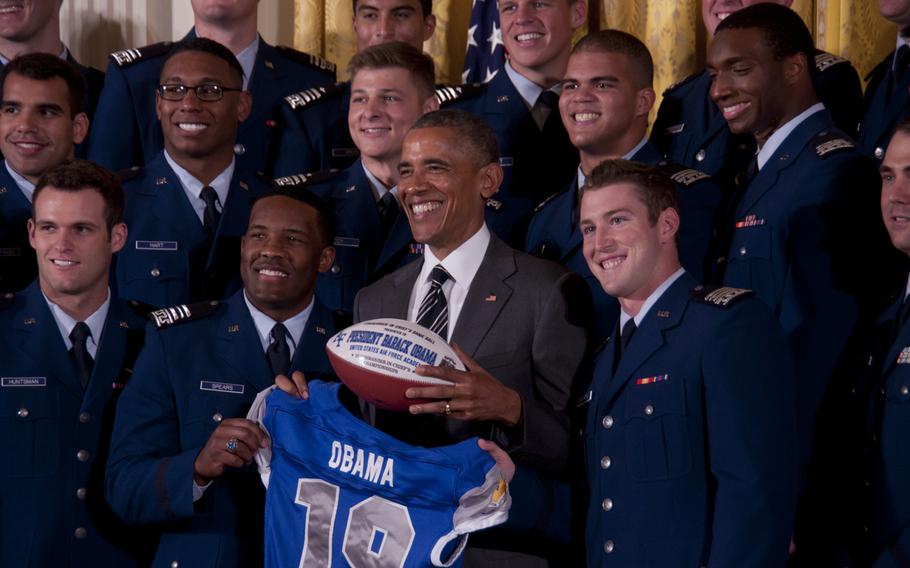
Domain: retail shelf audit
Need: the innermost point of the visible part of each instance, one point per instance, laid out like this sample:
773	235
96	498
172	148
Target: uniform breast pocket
337	286
896	424
656	431
750	260
157	277
28	428
206	409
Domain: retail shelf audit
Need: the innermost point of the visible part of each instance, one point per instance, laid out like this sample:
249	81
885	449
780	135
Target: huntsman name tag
156	245
215	386
23	381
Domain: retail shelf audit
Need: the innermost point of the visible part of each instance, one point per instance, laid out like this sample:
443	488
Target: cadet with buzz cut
126	132
312	132
187	209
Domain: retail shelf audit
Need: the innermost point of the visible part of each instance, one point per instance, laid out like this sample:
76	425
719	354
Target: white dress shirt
650	300
95	323
27	187
247	60
775	140
192	187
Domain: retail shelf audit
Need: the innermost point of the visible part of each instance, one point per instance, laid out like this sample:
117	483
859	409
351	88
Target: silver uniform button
155	272
175	564
605	462
23	413
607	504
85	417
742	251
649	410
905	390
80	533
609	546
879	152
700	156
607	422
335	269
82	455
217	417
80	493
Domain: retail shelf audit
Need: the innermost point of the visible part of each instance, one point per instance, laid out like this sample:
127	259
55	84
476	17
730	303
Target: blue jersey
341	493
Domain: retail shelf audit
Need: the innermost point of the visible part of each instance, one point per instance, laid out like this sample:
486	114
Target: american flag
485	53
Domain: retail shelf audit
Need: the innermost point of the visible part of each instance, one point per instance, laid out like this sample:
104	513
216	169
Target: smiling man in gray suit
518	323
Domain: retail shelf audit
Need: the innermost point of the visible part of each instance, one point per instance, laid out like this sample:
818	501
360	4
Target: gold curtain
672	29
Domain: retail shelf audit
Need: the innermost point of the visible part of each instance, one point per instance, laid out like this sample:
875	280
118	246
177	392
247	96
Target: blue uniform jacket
126	131
94	81
793	244
536	163
312	131
52	507
189	377
882	110
167	259
17	258
361	255
690	129
554	232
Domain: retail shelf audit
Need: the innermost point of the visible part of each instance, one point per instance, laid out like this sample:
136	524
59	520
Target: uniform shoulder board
824	60
141	308
6	300
305	179
307	98
129	174
681	174
450	93
830	142
168	317
127	57
548	200
719	296
679	84
314	61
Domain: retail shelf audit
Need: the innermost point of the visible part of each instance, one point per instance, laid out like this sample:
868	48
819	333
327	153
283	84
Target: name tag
215	386
23	382
347	242
345	152
156	245
10	251
506	162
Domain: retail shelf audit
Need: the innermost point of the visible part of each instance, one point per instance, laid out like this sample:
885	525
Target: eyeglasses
205	93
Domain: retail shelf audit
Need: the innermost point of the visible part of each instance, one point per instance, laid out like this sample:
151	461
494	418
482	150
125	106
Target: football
377	360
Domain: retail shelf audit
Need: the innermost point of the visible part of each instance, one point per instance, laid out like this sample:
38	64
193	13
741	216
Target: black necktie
434	310
547	103
279	353
388	212
84	362
210	216
627	331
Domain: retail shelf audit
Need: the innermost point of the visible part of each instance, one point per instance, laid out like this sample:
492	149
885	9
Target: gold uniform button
80	493
23	413
649	410
155	272
605	462
85	417
607	504
82	455
607	422
80	533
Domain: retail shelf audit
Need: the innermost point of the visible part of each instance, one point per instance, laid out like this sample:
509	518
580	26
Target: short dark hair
784	31
616	41
44	67
205	45
426	6
325	212
82	175
474	133
398	54
654	187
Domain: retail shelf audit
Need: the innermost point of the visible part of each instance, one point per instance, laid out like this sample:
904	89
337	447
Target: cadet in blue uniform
392	86
312	124
886	100
606	98
520	104
181	446
41	119
67	347
691	129
188	208
786	231
126	131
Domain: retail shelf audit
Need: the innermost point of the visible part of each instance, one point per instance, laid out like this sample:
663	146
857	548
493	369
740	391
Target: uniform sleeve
150	475
751	426
114	134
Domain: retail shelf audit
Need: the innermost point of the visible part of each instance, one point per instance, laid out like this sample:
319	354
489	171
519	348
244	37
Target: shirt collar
651	300
379	188
193	187
64	55
781	134
264	324
627	156
95	322
528	89
27	187
462	263
581	178
247	59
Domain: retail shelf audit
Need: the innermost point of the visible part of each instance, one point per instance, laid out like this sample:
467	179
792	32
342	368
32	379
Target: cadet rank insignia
825	60
904	356
722	297
167	317
829	142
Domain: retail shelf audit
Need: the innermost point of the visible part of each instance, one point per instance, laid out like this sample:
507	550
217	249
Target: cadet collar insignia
904	356
161	181
233	328
123	324
127	57
450	93
681	174
502	99
269	64
663	314
320	330
749	221
675	129
824	60
304	179
243	185
303	99
29	321
183	313
307	59
2	190
652	380
831	142
350	189
721	297
494	204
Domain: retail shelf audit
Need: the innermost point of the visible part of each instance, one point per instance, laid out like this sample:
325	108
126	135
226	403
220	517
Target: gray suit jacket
524	320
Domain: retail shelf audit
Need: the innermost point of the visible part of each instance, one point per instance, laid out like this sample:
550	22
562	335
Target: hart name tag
23	382
215	386
347	242
156	245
